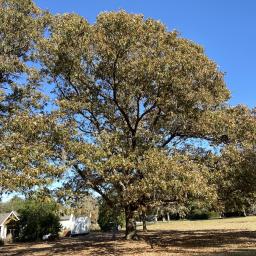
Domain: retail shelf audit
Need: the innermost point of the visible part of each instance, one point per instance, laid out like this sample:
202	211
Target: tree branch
114	88
94	186
171	137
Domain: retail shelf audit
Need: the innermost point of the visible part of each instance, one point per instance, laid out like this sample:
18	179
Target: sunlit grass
241	223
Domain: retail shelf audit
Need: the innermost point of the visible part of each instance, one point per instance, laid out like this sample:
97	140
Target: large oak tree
131	91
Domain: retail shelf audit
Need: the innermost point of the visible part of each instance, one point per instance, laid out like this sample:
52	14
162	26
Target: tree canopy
25	126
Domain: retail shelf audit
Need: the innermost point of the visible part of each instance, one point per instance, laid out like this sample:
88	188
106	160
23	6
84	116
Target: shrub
38	219
214	215
109	217
202	214
198	214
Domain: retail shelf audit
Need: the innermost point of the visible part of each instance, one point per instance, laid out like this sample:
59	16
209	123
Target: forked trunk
130	232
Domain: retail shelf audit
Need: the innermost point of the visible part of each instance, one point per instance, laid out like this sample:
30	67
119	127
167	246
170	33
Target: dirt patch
152	243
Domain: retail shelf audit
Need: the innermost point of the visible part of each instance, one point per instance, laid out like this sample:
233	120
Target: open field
232	236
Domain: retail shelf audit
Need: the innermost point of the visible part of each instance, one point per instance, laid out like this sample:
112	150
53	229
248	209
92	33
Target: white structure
7	223
77	225
81	225
67	222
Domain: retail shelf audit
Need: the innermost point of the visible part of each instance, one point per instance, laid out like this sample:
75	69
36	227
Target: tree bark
130	232
144	222
168	216
115	227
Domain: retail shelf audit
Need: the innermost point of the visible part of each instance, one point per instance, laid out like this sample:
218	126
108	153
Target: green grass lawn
241	223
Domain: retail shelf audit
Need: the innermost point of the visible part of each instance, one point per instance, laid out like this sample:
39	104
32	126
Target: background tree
236	166
26	153
110	218
15	204
76	200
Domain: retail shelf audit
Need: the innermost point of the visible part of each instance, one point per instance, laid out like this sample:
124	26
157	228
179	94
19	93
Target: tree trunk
168	216
114	231
144	222
115	226
130	232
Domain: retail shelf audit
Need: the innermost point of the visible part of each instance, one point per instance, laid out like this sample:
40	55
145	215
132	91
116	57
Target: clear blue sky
226	28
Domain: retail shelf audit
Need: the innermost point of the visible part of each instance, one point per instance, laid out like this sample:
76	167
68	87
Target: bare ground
234	237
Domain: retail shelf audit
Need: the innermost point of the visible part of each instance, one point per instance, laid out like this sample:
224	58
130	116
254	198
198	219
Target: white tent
81	225
77	225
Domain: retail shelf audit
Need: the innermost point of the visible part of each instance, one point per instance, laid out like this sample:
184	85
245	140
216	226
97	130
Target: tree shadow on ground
94	244
199	238
204	242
